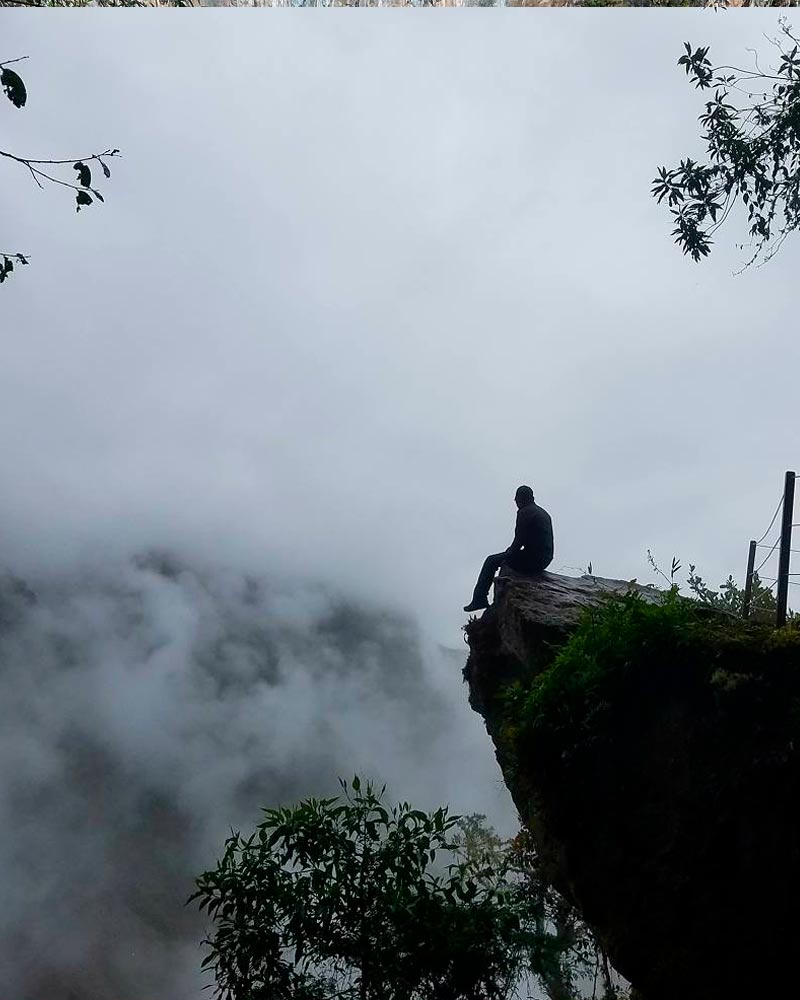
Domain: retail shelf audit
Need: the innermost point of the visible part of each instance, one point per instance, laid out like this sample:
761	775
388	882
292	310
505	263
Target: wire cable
767	555
773	519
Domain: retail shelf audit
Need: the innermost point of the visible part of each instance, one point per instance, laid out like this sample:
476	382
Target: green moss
628	650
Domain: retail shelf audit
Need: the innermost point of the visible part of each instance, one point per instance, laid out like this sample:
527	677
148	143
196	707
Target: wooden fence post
748	582
786	544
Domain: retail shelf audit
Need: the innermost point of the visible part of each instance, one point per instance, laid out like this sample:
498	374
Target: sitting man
530	552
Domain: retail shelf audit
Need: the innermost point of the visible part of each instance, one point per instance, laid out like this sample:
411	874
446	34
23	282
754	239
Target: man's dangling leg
480	596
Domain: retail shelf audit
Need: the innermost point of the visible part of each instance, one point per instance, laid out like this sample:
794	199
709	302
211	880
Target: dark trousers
490	566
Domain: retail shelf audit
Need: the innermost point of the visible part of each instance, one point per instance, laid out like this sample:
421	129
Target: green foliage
730	598
347	898
753	153
619	649
476	843
344	898
586	675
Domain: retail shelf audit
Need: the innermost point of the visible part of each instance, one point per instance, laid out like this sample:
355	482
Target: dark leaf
14	87
82	198
84	174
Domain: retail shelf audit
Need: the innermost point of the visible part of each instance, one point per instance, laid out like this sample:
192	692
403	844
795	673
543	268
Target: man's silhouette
530	552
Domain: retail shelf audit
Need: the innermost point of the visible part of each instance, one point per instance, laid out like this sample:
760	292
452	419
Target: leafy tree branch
349	898
82	184
752	132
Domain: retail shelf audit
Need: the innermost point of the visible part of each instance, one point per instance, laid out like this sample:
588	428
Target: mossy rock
654	755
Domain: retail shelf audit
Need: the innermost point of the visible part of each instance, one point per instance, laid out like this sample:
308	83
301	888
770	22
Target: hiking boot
476	606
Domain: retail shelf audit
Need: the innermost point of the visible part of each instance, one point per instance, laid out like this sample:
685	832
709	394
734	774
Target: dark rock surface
677	833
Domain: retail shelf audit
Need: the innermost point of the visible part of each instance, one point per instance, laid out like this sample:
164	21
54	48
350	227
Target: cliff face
661	780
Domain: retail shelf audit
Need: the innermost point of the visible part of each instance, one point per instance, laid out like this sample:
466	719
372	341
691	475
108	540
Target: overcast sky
356	278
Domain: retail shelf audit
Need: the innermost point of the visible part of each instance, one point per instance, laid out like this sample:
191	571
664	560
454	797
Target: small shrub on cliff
729	597
584	677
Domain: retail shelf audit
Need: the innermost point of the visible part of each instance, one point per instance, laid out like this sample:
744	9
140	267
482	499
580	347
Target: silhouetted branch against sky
85	193
752	132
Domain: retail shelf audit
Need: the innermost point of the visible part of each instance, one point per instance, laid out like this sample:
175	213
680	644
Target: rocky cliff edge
652	749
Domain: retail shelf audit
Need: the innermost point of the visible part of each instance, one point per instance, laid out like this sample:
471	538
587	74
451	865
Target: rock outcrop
670	819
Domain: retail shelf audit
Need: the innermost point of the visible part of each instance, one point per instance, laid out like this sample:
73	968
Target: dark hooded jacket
532	548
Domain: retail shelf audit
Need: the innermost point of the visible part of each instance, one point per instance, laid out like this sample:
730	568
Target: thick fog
264	411
148	706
